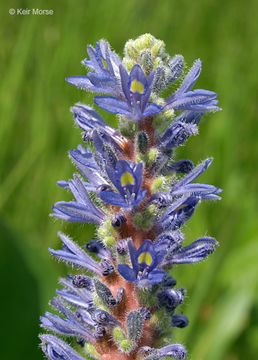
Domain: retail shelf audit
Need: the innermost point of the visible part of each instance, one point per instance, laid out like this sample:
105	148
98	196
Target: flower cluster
123	300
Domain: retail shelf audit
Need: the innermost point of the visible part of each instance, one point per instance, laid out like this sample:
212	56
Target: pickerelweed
124	300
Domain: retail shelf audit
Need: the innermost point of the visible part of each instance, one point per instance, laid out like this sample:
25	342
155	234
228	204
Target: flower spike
130	185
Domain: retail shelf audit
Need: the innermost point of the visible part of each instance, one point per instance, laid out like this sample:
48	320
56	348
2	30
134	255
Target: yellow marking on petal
127	179
104	63
137	86
145	257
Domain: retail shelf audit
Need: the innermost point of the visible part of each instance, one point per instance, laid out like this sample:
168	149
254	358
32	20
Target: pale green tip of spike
130	50
129	63
145	41
158	48
119	335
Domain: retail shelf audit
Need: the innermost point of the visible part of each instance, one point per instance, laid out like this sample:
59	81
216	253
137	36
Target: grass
36	131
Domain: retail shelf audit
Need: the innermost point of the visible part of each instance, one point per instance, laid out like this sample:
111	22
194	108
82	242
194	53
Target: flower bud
142	142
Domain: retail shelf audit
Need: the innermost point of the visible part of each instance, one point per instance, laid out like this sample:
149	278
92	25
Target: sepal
134	325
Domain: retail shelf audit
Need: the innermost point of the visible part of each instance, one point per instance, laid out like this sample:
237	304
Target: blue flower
196	100
56	349
71	253
176	214
106	64
127	179
184	186
88	120
176	134
176	351
204	191
136	93
85	162
81	210
144	261
197	251
70	325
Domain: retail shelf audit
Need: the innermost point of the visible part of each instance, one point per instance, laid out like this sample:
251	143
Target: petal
113	198
81	82
75	212
145	255
177	351
176	66
127	273
132	253
112	104
156	276
188	82
87	118
192	117
197	171
137	81
181	166
56	349
197	188
140	196
195	252
152	109
124	82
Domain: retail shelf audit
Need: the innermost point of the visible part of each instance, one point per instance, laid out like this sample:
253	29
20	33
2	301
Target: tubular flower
139	197
136	93
144	261
127	179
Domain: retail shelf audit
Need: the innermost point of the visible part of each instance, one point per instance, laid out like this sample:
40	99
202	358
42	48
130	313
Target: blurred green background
37	130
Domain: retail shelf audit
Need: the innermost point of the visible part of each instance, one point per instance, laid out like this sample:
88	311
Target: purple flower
177	351
106	64
195	252
82	210
73	254
110	177
56	349
144	262
184	187
176	134
127	179
70	325
136	94
197	100
88	120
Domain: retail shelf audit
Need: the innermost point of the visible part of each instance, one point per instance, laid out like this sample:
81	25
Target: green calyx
91	351
147	298
124	344
108	234
144	220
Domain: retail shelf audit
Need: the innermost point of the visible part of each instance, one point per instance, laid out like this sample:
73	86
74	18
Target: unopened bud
134	325
142	142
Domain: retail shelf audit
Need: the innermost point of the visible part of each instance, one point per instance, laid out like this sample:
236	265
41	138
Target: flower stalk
123	299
